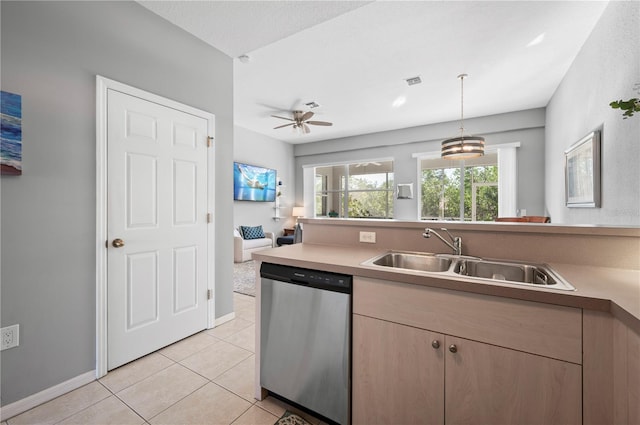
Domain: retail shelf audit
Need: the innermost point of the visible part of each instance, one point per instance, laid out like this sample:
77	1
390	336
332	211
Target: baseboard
224	319
21	406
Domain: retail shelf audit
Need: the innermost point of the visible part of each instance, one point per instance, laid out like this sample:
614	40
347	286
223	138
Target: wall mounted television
253	183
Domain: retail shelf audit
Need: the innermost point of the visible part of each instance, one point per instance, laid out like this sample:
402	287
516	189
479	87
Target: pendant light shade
462	147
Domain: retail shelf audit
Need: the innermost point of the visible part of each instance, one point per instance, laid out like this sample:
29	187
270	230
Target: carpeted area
244	278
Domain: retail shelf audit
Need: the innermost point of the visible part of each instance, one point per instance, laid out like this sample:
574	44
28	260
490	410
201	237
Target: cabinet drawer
544	329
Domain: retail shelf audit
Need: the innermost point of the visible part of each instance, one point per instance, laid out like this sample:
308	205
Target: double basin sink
504	271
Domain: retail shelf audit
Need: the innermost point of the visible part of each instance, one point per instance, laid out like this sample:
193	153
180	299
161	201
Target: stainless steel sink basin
505	271
412	261
511	271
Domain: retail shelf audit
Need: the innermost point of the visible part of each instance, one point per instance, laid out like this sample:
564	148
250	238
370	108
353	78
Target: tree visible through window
359	190
448	196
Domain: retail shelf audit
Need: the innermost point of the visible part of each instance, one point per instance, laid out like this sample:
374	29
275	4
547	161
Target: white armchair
242	248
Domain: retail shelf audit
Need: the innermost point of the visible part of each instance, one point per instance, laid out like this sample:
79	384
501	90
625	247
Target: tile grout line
221	373
75	413
125	403
143	379
178	401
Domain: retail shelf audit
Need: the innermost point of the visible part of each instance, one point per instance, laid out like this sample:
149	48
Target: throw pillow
249	232
236	232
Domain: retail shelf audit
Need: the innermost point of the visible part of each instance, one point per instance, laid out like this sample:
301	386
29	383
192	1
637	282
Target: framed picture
253	183
582	172
10	134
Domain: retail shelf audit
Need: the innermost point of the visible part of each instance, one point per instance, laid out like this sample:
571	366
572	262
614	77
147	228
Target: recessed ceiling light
244	58
400	100
312	105
539	39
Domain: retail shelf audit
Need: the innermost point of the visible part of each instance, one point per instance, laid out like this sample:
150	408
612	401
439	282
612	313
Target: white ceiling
352	58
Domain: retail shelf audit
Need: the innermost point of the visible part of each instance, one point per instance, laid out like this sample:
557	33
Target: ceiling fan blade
306	128
285	125
306	115
320	123
282	118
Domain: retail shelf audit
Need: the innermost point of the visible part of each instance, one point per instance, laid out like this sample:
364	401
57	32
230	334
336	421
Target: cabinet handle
453	348
435	344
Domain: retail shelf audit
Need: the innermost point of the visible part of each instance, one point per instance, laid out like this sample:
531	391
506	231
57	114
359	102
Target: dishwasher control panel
316	278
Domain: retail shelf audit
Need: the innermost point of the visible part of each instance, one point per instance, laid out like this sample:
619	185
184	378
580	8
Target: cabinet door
633	371
398	376
490	384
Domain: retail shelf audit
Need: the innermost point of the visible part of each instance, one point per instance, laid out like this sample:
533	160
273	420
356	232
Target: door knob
435	343
117	243
453	348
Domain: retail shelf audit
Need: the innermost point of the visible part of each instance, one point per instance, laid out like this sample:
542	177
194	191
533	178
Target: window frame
344	190
507	177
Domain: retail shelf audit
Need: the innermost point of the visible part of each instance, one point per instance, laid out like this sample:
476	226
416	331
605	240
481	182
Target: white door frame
102	85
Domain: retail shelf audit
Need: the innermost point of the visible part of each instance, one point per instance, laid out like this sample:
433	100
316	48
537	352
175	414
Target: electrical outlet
10	337
368	237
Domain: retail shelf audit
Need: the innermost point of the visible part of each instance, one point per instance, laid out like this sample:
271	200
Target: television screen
251	183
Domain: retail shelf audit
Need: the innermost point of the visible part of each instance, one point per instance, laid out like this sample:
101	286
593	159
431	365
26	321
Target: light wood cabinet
485	384
633	384
611	370
400	377
397	376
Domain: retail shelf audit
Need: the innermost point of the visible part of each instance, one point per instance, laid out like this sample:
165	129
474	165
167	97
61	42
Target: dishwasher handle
286	279
306	277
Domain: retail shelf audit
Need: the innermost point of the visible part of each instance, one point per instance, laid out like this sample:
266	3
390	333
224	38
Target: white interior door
157	207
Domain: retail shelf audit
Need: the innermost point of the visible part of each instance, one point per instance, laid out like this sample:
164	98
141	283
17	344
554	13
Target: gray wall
606	69
257	149
51	53
526	127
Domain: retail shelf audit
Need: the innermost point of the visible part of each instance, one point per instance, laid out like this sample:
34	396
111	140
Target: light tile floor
207	378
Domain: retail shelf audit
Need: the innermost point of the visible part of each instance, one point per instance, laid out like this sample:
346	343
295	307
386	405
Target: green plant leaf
629	107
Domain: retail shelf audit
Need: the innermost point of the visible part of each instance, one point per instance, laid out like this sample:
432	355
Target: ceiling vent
312	105
413	80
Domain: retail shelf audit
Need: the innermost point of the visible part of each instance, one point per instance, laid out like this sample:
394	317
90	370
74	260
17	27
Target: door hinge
209	294
209	141
208	217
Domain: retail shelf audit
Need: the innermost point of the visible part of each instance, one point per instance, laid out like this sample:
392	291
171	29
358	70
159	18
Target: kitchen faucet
457	240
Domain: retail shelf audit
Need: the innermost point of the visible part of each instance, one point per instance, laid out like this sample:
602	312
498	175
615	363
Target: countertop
597	288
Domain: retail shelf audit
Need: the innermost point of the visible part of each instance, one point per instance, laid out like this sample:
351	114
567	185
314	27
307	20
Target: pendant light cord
461	76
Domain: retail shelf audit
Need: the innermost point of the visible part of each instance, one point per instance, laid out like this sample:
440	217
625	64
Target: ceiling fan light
462	147
300	121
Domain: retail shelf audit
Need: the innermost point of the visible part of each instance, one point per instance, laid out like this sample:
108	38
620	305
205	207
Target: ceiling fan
300	120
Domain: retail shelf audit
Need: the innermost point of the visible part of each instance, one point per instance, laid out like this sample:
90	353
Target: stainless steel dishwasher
305	338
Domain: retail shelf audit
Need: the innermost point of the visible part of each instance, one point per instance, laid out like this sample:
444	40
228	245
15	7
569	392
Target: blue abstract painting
10	134
252	183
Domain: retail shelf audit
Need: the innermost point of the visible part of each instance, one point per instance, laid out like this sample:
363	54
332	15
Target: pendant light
462	147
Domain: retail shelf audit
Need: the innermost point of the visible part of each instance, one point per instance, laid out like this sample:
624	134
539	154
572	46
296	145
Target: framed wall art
582	172
10	134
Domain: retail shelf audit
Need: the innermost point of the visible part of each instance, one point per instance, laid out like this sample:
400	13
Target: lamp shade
297	211
463	147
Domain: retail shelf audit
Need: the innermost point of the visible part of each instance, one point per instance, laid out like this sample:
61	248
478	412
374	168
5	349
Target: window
359	190
460	190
